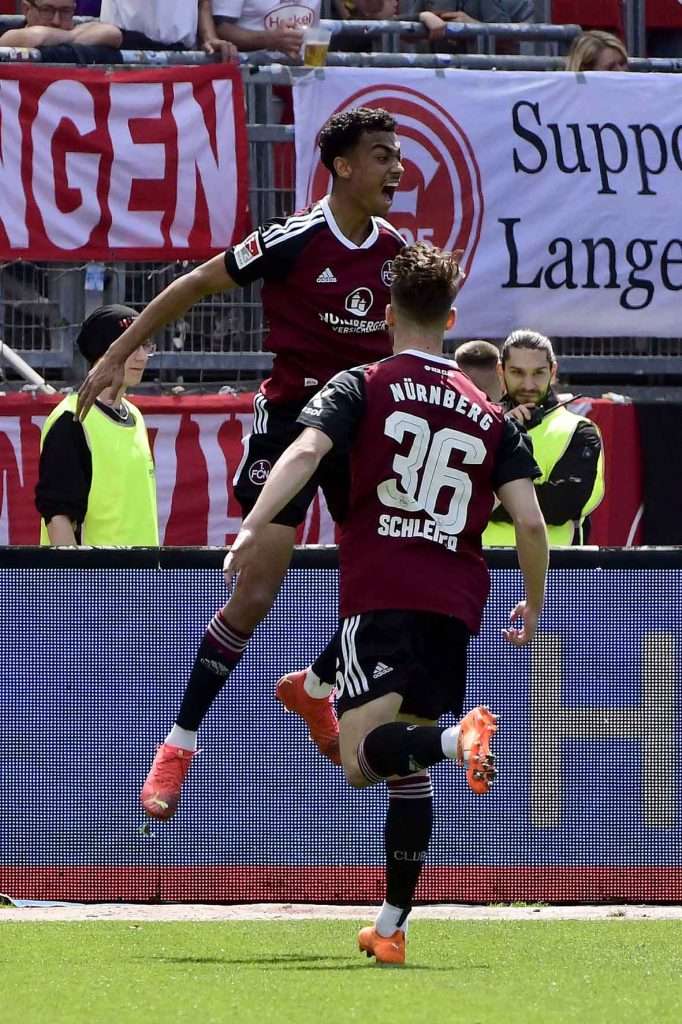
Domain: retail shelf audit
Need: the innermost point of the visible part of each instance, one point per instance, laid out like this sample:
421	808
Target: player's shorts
421	655
274	428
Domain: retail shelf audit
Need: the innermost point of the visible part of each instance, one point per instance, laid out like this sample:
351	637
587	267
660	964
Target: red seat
663	14
8	6
604	14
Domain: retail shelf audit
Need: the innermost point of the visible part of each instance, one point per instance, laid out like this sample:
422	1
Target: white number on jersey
424	472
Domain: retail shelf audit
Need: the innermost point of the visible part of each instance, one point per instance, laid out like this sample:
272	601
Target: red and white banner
139	165
562	190
197	446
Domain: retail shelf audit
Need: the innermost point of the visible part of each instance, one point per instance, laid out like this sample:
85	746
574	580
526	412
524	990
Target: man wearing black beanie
96	482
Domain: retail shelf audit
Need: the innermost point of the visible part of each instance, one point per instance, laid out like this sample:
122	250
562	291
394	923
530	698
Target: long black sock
324	665
219	651
399	749
409	822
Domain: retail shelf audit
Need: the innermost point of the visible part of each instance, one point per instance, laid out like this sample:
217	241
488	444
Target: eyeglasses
50	12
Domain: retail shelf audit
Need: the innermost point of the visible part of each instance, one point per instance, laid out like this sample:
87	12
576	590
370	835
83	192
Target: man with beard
567	447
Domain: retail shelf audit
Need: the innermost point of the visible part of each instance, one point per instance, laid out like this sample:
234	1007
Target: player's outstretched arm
169	305
520	501
291	472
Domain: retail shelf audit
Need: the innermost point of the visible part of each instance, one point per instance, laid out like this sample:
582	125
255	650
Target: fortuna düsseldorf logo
440	199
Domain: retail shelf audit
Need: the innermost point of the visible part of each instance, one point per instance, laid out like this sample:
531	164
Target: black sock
409	821
324	665
399	749
219	651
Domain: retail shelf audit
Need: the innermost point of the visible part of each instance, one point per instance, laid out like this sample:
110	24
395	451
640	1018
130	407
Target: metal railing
634	12
470	61
394	37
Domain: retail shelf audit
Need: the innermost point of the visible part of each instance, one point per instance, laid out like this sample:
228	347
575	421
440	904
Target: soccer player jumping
326	273
428	453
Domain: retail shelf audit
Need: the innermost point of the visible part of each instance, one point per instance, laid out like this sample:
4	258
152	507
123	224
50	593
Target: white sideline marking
301	911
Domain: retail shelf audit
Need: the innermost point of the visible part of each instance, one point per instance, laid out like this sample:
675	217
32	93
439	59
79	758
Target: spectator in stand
165	25
597	51
255	25
362	10
366	10
51	24
274	34
435	14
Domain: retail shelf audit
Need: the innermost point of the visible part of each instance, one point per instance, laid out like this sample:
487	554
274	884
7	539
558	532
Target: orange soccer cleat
476	730
160	794
390	951
318	713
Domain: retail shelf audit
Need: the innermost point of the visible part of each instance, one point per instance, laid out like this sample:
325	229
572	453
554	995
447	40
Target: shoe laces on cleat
473	748
170	767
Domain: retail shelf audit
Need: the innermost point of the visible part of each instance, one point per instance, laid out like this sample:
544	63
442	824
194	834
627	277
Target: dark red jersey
427	452
324	297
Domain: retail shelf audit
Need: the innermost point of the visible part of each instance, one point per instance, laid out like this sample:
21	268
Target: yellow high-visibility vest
550	440
122	500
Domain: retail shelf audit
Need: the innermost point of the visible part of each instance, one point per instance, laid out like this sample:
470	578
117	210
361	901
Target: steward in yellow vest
567	447
96	482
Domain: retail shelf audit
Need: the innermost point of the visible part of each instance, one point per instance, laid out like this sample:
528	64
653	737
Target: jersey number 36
425	471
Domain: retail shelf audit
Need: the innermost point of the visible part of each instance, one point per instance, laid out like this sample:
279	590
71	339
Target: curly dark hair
343	131
425	282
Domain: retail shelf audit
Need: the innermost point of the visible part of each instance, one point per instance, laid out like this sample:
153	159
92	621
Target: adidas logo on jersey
326	277
381	670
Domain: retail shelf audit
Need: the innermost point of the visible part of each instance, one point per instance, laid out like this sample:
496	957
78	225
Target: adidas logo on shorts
381	670
326	277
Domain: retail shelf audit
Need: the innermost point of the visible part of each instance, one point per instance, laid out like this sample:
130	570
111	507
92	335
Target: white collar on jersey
427	355
338	233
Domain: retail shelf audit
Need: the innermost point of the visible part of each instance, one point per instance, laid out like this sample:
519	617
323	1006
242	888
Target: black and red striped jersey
427	452
324	297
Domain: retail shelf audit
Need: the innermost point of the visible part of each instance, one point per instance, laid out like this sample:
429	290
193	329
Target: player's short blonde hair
481	355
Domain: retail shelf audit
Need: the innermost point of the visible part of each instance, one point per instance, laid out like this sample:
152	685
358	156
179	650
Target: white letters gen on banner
94	164
563	190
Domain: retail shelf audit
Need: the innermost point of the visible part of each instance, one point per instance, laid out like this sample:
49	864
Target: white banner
563	190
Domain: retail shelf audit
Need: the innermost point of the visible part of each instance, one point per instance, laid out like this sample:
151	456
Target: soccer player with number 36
428	453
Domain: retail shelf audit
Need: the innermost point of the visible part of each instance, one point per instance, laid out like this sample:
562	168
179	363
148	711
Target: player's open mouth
389	192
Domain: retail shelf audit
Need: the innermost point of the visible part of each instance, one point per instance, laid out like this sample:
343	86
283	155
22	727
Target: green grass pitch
309	972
